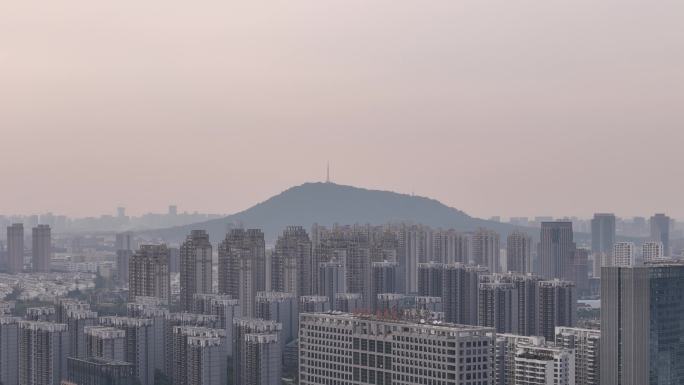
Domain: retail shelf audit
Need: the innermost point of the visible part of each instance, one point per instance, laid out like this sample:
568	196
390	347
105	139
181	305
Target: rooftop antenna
327	174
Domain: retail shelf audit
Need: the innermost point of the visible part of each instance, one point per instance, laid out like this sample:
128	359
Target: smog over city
341	192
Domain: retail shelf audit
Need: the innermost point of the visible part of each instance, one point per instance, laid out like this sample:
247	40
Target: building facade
345	349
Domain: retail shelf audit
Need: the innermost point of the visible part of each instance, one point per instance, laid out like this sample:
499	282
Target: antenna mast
327	173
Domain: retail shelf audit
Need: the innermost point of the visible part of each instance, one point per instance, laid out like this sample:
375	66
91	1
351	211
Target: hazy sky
495	107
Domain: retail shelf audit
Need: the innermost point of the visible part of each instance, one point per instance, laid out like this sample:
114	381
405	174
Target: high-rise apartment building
624	254
411	251
586	345
545	364
359	272
642	335
105	342
43	350
506	349
257	352
77	321
139	346
195	267
497	304
124	245
556	250
282	308
602	233
660	231
579	270
123	260
370	350
460	291
383	279
519	252
42	248
149	273
223	307
124	241
292	266
430	279
450	246
9	346
332	279
556	306
149	309
199	356
652	251
486	250
15	248
242	267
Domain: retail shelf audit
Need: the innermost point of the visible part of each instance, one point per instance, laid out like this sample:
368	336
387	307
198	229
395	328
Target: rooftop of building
393	319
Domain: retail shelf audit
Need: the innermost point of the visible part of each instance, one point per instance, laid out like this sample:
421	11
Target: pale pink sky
496	107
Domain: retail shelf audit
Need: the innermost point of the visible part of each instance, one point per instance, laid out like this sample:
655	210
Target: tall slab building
642	333
195	267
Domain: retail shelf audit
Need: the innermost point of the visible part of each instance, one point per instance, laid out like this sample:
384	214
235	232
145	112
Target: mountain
329	203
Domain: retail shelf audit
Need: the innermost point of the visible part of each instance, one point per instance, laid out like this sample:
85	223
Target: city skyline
165	209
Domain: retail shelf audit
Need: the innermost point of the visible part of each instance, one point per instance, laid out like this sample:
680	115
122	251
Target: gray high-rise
556	306
660	231
557	249
139	346
497	304
586	344
460	291
242	267
282	308
195	267
43	350
486	250
257	352
149	273
9	346
291	264
519	252
15	248
42	248
642	334
332	280
602	233
430	279
383	279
